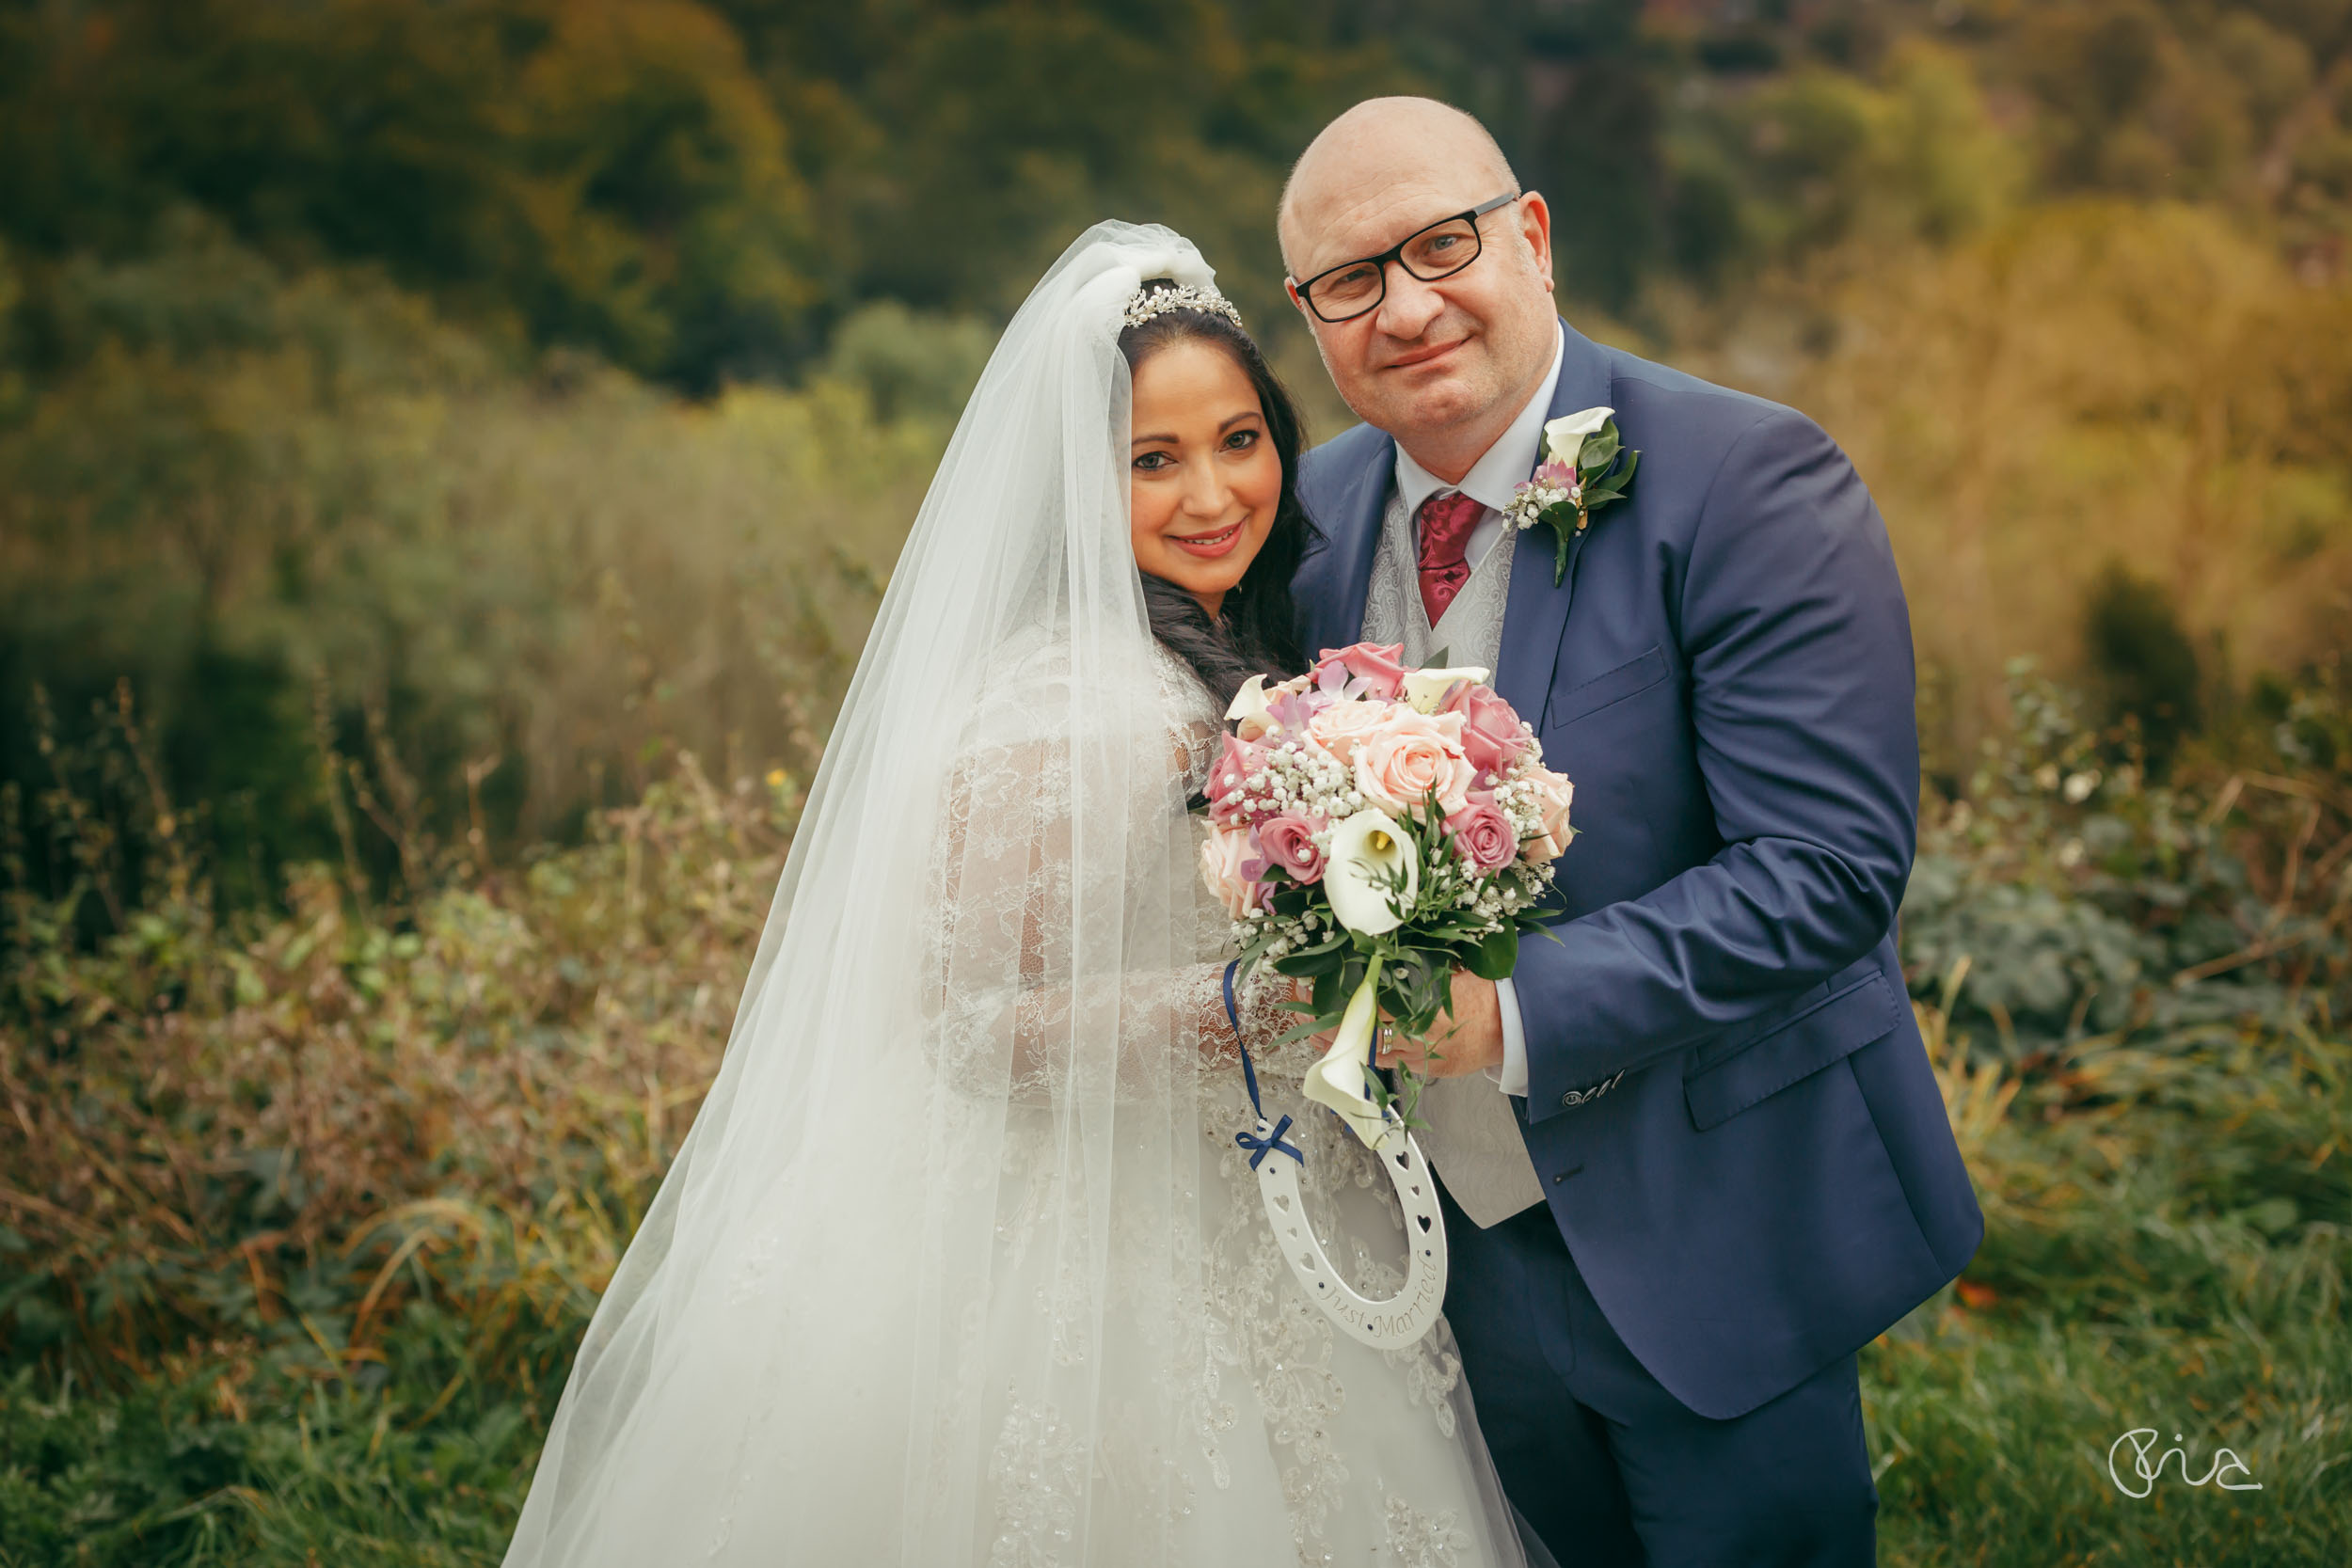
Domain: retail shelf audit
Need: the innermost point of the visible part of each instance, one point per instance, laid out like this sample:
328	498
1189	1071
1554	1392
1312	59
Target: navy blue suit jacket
1726	673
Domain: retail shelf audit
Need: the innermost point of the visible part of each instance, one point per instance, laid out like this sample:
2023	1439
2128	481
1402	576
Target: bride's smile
1207	546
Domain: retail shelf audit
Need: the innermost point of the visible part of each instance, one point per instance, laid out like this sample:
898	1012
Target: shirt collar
1505	464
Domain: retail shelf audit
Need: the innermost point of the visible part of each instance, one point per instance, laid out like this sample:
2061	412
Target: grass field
302	1216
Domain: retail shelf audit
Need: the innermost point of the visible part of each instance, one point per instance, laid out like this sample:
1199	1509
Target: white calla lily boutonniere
1586	466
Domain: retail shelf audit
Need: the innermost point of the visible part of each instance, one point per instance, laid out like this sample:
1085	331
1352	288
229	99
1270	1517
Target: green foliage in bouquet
1414	963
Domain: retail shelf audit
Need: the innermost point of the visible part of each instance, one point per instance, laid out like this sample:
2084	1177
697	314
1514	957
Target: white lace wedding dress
1296	1439
959	1265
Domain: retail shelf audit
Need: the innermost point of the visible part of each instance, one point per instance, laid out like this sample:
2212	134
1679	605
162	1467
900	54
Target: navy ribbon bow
1259	1146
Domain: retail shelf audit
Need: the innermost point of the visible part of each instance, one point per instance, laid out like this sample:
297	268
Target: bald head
1458	337
1385	150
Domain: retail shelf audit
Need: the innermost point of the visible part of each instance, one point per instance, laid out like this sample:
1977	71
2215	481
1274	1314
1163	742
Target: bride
960	1263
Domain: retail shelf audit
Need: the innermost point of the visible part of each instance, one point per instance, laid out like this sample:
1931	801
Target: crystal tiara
1148	302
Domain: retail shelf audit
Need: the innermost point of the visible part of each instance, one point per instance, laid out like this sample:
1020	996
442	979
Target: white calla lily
1250	709
1342	1080
1563	437
1367	851
1424	689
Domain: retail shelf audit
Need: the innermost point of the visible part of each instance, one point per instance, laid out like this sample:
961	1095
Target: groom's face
1434	357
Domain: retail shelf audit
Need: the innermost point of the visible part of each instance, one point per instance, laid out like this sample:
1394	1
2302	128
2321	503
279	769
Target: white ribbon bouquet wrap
1380	827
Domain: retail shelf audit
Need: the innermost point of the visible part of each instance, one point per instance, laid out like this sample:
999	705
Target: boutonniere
1585	468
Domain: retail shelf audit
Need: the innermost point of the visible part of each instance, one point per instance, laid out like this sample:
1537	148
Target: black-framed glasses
1445	247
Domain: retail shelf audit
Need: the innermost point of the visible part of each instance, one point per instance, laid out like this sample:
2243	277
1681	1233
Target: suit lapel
1537	611
1335	608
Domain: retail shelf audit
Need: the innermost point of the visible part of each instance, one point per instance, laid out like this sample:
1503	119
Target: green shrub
2094	902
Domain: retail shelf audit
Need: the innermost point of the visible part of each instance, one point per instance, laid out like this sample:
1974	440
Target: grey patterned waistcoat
1472	1138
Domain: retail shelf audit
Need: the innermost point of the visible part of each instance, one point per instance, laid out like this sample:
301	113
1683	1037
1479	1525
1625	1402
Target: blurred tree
909	365
308	314
2141	660
1593	142
700	190
1910	154
672	224
2090	382
968	145
285	509
603	172
2095	69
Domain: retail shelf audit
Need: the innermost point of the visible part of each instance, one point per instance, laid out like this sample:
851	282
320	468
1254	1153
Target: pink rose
1408	755
1289	842
1552	794
1227	776
1492	737
1339	727
1376	664
1223	856
1483	834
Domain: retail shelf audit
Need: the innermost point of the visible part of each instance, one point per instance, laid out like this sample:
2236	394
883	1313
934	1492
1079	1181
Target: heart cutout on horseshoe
1404	1317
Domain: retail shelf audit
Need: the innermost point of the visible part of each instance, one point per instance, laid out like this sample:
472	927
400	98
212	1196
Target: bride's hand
1219	1035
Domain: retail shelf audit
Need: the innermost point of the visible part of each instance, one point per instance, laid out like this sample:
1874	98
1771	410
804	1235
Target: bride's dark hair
1256	632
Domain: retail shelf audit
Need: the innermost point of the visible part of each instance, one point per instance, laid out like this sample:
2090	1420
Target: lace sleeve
1064	934
1259	1001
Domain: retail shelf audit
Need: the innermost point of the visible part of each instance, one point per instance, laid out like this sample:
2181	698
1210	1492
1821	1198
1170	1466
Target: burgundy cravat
1445	521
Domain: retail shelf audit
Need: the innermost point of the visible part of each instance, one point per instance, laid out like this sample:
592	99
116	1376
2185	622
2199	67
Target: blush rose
1223	855
1339	727
1553	793
1407	755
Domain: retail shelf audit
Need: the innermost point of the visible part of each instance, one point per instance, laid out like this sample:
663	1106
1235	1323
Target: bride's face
1203	478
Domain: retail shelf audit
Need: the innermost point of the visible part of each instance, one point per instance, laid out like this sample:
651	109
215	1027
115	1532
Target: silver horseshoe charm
1402	1319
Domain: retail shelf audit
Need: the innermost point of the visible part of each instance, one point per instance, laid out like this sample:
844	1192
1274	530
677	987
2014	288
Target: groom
1692	1153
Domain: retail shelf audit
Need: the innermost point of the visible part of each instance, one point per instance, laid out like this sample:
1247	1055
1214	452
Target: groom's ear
1536	228
1290	287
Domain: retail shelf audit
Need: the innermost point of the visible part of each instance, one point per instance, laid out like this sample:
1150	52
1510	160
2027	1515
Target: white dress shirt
1490	482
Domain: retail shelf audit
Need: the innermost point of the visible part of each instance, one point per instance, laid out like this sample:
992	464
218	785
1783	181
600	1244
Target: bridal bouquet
1373	828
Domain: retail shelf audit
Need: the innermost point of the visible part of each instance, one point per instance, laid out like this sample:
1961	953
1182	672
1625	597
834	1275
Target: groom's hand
1468	1040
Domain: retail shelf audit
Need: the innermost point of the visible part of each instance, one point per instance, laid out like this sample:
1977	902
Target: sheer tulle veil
914	1288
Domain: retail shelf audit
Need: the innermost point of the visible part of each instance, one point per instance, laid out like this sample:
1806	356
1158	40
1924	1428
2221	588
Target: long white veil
873	1315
